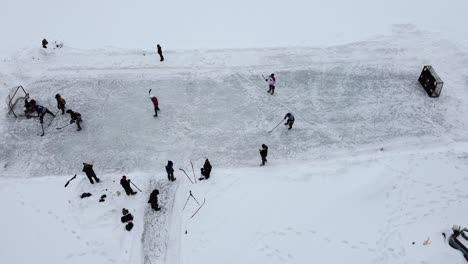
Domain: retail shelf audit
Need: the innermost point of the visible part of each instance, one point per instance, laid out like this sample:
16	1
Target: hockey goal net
14	100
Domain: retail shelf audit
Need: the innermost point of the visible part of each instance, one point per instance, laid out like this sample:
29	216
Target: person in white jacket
271	83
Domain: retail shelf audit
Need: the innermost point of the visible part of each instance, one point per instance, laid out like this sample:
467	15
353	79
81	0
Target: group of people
126	183
31	106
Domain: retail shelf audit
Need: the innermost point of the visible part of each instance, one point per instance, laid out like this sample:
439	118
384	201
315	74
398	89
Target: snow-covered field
328	193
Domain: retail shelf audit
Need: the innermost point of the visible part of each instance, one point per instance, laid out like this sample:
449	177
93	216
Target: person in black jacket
290	120
263	154
88	169
126	185
44	43
160	53
170	171
42	111
206	170
153	200
75	117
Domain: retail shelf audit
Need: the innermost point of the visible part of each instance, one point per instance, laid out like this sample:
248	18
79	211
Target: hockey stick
53	118
264	78
186	175
193	170
149	92
68	182
204	200
135	185
63	126
276	126
194	197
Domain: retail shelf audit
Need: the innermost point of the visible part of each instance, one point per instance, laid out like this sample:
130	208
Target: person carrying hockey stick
155	104
41	111
75	118
290	120
263	154
60	103
126	185
271	80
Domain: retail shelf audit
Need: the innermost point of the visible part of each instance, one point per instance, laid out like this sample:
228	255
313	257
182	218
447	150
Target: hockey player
88	169
170	171
29	106
263	154
44	43
271	83
290	120
155	104
75	117
126	185
41	111
153	200
160	53
206	170
60	103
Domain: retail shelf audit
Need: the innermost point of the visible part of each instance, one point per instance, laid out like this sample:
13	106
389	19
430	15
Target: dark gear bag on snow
129	226
126	218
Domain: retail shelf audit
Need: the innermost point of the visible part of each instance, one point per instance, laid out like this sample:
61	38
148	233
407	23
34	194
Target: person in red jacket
155	103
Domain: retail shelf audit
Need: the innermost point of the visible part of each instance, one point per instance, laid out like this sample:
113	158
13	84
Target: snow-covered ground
327	194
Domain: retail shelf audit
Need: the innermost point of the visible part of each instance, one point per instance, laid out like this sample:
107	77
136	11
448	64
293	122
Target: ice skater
60	103
271	80
42	111
75	118
263	154
290	120
155	104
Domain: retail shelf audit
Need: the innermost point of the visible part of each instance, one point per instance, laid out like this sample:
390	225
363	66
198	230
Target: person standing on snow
271	83
44	43
160	53
290	120
206	170
126	185
60	103
155	104
42	111
263	154
88	169
75	117
170	171
153	200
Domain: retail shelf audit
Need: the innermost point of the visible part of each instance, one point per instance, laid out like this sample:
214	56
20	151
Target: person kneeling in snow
75	117
206	170
126	185
153	200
